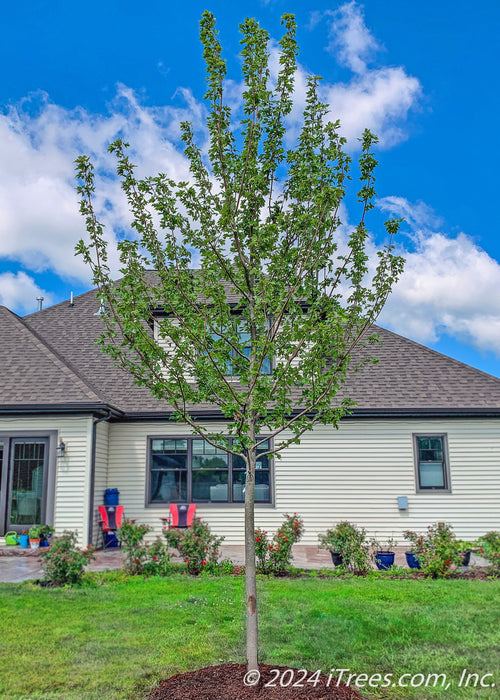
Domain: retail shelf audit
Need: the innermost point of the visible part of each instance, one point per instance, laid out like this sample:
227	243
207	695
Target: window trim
446	467
202	504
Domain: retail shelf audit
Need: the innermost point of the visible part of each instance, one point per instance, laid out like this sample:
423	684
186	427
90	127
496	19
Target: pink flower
187	561
137	561
257	539
203	563
155	559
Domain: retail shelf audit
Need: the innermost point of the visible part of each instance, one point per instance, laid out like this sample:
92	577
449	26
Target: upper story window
190	470
431	463
233	366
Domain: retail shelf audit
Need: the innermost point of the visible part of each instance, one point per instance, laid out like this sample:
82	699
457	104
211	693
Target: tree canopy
258	296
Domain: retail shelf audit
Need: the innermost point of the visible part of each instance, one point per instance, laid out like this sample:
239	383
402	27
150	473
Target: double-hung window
191	470
431	463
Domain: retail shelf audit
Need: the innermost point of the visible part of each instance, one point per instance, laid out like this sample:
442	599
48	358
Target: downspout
92	474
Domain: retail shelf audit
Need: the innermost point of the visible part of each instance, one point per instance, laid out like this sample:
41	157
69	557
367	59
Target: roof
49	358
31	372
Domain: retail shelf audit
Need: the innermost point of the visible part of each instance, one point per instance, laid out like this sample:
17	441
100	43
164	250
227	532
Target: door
24	482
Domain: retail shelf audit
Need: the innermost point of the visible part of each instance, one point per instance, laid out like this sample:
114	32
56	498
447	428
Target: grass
118	637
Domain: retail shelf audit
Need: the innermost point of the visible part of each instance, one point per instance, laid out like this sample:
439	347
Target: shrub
141	558
490	548
350	541
438	550
276	556
197	545
64	562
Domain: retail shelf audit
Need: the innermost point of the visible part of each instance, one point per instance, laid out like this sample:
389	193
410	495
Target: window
190	470
244	339
431	463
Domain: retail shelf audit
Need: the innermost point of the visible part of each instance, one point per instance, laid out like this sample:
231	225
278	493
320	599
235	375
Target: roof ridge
438	354
64	365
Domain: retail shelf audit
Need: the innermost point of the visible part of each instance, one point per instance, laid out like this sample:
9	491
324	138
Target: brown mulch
225	682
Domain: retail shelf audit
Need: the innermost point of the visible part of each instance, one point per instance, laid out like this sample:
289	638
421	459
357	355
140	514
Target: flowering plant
349	541
276	556
197	545
438	549
64	563
140	557
490	548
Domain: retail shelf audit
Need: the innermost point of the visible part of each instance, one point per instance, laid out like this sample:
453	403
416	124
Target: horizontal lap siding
101	473
355	473
72	470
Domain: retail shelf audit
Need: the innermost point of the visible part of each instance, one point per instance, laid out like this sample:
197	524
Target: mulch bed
225	682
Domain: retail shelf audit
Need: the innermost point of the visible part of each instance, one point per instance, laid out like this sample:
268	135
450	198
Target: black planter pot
466	557
384	560
412	560
336	558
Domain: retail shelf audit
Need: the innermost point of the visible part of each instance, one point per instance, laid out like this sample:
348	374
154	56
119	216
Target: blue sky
424	76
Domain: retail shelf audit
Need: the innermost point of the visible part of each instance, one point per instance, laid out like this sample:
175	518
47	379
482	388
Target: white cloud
378	98
19	291
39	218
449	285
351	40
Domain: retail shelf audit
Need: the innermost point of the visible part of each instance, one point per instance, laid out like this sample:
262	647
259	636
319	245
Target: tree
277	286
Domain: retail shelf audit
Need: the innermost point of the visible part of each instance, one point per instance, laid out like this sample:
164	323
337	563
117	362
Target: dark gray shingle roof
409	377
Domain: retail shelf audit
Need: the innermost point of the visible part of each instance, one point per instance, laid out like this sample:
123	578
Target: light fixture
61	449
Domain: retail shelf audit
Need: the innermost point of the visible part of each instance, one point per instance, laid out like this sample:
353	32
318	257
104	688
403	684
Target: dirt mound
226	682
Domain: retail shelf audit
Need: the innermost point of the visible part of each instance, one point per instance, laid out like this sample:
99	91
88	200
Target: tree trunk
250	572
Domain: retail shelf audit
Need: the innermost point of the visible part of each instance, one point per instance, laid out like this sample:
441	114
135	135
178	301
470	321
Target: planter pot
44	541
466	557
25	541
34	544
336	558
412	560
384	560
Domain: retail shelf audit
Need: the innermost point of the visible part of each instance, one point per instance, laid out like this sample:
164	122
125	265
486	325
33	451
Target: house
423	443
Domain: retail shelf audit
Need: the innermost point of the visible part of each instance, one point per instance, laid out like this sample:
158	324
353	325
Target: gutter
356	413
92	474
73	408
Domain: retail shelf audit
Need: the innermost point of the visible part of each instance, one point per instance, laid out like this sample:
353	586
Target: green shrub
350	541
64	562
490	548
276	556
142	558
197	545
438	549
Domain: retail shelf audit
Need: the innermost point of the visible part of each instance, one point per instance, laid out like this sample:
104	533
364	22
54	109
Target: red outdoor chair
111	520
181	515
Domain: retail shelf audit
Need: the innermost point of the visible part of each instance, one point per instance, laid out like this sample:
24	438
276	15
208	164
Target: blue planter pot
412	560
336	558
466	557
384	560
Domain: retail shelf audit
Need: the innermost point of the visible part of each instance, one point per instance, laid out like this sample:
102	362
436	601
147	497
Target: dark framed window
431	462
191	470
232	367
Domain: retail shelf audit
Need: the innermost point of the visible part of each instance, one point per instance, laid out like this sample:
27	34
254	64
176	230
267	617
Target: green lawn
119	639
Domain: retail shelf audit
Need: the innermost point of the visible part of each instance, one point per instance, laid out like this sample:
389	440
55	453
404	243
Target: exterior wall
355	473
100	474
72	470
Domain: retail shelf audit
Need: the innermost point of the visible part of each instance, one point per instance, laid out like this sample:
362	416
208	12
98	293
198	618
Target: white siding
101	473
72	470
355	473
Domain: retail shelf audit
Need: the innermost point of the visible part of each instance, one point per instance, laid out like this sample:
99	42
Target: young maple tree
264	328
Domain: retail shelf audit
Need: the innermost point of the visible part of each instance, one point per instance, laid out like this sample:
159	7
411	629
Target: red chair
181	515
110	522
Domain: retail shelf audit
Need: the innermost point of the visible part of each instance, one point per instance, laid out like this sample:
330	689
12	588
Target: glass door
27	482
